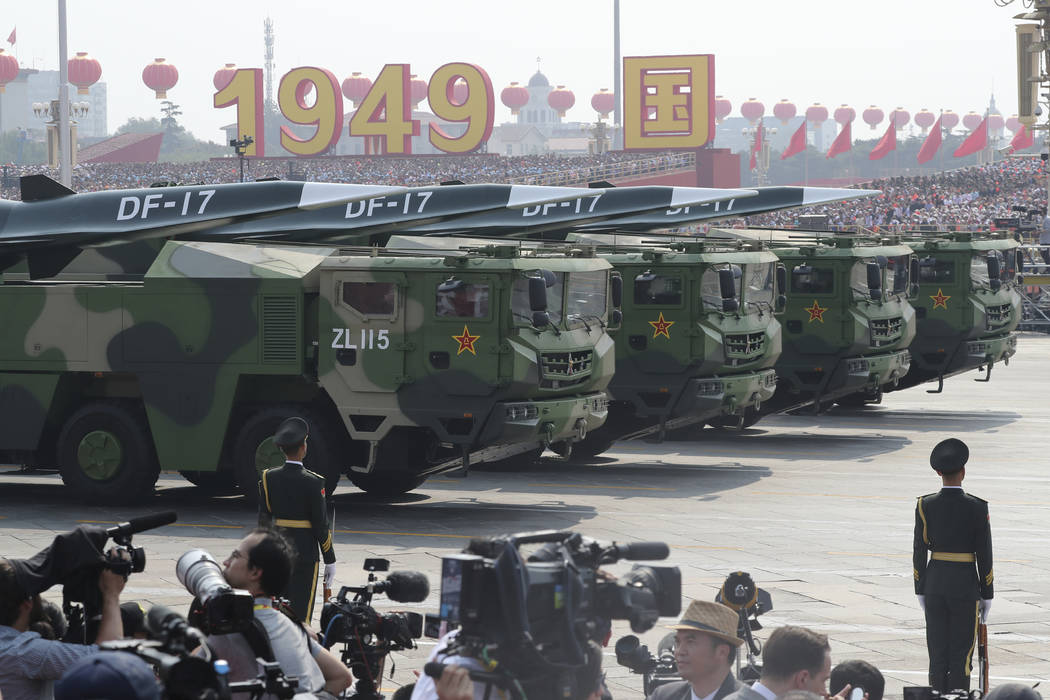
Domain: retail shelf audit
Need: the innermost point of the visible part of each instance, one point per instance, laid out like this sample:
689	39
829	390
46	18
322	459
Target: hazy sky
944	54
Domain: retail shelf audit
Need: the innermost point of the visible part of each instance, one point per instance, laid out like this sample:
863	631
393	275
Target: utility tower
268	62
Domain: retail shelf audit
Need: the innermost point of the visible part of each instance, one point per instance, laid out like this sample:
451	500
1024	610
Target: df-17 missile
53	223
766	199
455	209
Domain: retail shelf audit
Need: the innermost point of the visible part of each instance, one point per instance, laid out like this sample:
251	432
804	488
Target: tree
179	145
170	110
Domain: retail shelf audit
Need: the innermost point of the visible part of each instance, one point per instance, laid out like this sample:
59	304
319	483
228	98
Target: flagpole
64	169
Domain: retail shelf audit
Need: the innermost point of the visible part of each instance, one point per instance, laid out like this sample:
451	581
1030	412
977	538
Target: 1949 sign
384	113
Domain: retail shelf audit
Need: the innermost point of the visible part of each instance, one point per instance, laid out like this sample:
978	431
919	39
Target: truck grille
744	345
998	315
563	369
886	330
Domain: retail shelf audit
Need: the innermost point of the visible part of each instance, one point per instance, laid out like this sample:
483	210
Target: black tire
254	451
219	483
857	400
596	442
386	484
751	416
402	455
106	454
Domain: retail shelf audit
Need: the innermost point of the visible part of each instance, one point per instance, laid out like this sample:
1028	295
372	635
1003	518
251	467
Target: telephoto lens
202	576
219	609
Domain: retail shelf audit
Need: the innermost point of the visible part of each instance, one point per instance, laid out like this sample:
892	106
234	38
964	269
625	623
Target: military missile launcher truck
968	305
698	340
404	364
848	321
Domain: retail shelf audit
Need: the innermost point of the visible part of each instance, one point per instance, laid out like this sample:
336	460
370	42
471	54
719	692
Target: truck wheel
219	483
254	451
386	484
105	454
596	442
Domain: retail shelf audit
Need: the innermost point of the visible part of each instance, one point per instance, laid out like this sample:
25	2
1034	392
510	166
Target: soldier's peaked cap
949	456
291	432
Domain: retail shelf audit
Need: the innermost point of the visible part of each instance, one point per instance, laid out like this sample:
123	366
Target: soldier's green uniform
953	527
292	498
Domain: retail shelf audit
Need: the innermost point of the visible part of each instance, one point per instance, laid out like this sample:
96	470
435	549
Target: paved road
818	509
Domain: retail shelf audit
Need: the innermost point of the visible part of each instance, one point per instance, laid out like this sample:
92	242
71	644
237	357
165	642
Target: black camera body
655	670
923	692
536	618
367	635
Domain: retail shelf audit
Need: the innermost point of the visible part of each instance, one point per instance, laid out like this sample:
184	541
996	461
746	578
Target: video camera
739	593
188	677
534	620
923	692
367	635
75	559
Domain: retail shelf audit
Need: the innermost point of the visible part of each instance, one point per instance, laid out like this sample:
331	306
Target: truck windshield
934	270
586	296
519	298
711	289
658	290
760	282
897	274
464	300
858	278
807	279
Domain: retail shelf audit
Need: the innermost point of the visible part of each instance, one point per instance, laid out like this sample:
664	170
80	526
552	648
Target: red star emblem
661	326
816	312
940	299
466	341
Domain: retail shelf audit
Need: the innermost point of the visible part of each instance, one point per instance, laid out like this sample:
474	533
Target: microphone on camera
161	621
405	587
146	522
639	551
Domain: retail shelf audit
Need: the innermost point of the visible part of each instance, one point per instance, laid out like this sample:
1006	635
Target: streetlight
240	146
762	158
51	113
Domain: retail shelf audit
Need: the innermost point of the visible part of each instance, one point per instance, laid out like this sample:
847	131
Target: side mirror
874	281
541	319
549	277
1020	262
913	271
882	261
727	288
616	317
538	295
994	270
730	305
913	290
616	286
782	279
782	302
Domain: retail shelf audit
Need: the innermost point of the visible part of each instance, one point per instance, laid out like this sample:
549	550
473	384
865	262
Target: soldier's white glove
329	575
985	606
922	602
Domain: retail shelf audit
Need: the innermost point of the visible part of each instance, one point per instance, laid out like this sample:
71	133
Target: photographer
28	663
794	658
705	650
262	565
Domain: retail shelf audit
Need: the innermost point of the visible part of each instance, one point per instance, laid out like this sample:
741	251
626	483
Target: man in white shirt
705	650
794	658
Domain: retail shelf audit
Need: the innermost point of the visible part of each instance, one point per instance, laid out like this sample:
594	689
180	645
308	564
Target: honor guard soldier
292	498
953	527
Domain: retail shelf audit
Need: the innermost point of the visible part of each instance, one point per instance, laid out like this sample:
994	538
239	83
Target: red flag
887	143
976	141
932	143
842	143
1022	139
797	143
11	36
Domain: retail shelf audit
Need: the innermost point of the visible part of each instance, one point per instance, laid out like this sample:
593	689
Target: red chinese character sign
668	101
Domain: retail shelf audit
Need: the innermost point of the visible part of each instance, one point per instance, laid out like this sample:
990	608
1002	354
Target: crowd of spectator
968	198
410	171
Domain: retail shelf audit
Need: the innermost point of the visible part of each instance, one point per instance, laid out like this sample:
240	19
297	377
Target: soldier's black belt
306	525
961	557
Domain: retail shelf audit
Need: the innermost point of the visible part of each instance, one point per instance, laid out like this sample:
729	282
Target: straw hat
711	618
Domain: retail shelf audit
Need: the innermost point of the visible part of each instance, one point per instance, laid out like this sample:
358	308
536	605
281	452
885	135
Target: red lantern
900	117
995	122
971	120
949	120
1013	123
925	119
160	77
417	90
817	113
603	102
784	111
223	76
515	97
561	100
302	91
460	92
8	68
752	110
872	116
844	114
84	71
356	87
722	108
